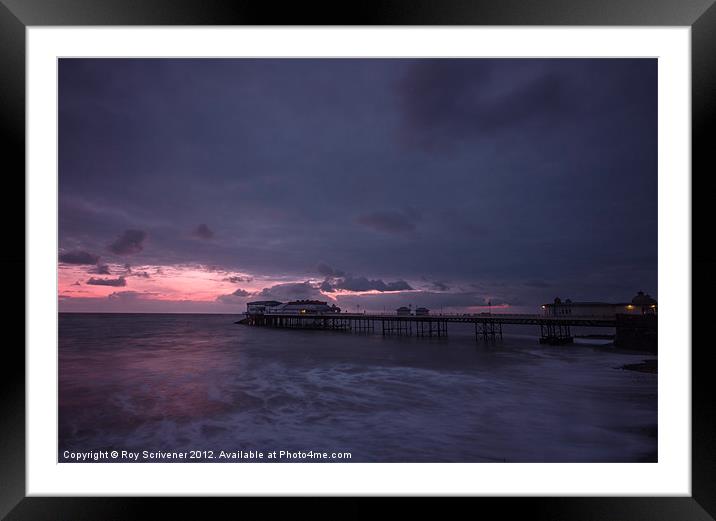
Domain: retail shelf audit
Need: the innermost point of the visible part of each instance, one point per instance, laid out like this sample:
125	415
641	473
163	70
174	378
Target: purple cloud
130	295
447	100
235	279
292	291
101	269
350	283
78	257
237	297
328	271
130	242
107	282
203	232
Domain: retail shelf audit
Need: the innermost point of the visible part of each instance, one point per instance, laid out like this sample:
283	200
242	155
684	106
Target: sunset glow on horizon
84	287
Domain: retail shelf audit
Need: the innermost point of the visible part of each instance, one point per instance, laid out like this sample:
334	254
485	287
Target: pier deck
553	330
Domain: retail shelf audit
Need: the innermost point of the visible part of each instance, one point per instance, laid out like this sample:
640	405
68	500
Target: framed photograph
424	252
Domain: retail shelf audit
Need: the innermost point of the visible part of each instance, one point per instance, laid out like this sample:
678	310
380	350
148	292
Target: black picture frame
16	15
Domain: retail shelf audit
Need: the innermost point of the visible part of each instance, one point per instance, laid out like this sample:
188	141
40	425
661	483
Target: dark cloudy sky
198	185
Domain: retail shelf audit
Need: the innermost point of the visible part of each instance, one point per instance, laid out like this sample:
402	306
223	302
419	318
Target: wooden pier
488	327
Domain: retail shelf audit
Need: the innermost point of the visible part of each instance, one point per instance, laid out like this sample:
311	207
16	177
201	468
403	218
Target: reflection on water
183	382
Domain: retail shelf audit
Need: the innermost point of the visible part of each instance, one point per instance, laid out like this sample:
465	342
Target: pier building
304	307
641	304
259	307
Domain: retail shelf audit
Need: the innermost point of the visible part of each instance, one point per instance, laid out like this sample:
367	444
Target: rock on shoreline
647	366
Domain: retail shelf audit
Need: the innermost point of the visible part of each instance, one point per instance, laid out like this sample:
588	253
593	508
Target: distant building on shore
259	307
422	312
641	304
644	303
403	311
304	307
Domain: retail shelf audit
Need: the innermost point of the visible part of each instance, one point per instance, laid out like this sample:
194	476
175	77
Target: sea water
202	385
